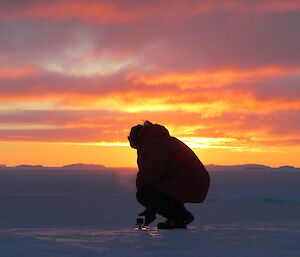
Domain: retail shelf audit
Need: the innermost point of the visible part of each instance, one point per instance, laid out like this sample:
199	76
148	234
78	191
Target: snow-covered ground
72	213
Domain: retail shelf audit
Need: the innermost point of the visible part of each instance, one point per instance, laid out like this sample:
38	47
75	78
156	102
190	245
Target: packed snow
91	211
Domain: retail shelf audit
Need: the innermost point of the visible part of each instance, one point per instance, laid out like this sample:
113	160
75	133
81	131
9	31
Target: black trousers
156	201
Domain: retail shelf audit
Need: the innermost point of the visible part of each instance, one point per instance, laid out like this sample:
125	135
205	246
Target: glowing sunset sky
223	76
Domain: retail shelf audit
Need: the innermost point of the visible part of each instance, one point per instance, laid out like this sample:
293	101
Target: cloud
210	92
56	135
277	6
227	130
102	12
216	73
116	12
205	44
214	42
18	72
215	78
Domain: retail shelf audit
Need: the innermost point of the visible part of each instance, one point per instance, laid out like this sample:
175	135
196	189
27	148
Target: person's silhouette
170	174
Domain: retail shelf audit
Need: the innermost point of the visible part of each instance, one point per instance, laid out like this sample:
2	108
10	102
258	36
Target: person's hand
149	215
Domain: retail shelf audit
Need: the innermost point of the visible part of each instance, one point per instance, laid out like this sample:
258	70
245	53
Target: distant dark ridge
83	166
255	166
76	166
242	166
210	167
25	166
250	167
287	167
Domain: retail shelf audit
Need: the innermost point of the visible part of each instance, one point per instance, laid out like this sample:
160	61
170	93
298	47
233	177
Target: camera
140	221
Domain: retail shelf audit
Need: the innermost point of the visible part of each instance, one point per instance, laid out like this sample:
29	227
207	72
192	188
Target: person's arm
152	162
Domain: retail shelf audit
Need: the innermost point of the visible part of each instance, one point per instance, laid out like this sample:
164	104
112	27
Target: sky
222	76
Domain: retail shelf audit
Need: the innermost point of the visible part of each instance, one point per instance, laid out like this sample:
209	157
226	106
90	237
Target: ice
208	240
63	213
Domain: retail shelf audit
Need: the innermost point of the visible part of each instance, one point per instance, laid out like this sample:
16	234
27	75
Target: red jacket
171	166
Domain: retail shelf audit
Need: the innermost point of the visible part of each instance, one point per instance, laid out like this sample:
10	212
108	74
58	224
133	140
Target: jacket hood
153	131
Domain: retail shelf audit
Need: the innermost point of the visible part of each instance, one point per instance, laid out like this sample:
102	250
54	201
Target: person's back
186	177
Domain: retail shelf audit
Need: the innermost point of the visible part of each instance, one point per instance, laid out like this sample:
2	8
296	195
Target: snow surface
71	213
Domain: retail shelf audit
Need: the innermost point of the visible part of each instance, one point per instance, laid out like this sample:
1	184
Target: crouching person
170	174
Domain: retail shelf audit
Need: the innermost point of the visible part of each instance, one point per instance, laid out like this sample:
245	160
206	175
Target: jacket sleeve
152	163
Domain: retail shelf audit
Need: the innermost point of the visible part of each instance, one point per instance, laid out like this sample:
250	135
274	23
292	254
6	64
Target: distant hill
25	166
255	167
94	167
249	167
287	167
83	166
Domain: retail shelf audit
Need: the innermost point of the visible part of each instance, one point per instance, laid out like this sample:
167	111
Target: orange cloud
277	6
67	10
208	92
18	72
229	133
213	78
110	12
231	129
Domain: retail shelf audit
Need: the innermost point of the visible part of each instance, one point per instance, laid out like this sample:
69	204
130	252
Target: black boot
180	222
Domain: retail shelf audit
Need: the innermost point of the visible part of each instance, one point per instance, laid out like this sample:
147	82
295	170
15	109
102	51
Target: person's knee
140	196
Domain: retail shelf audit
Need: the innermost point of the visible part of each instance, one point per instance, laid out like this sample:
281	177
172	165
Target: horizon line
95	165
